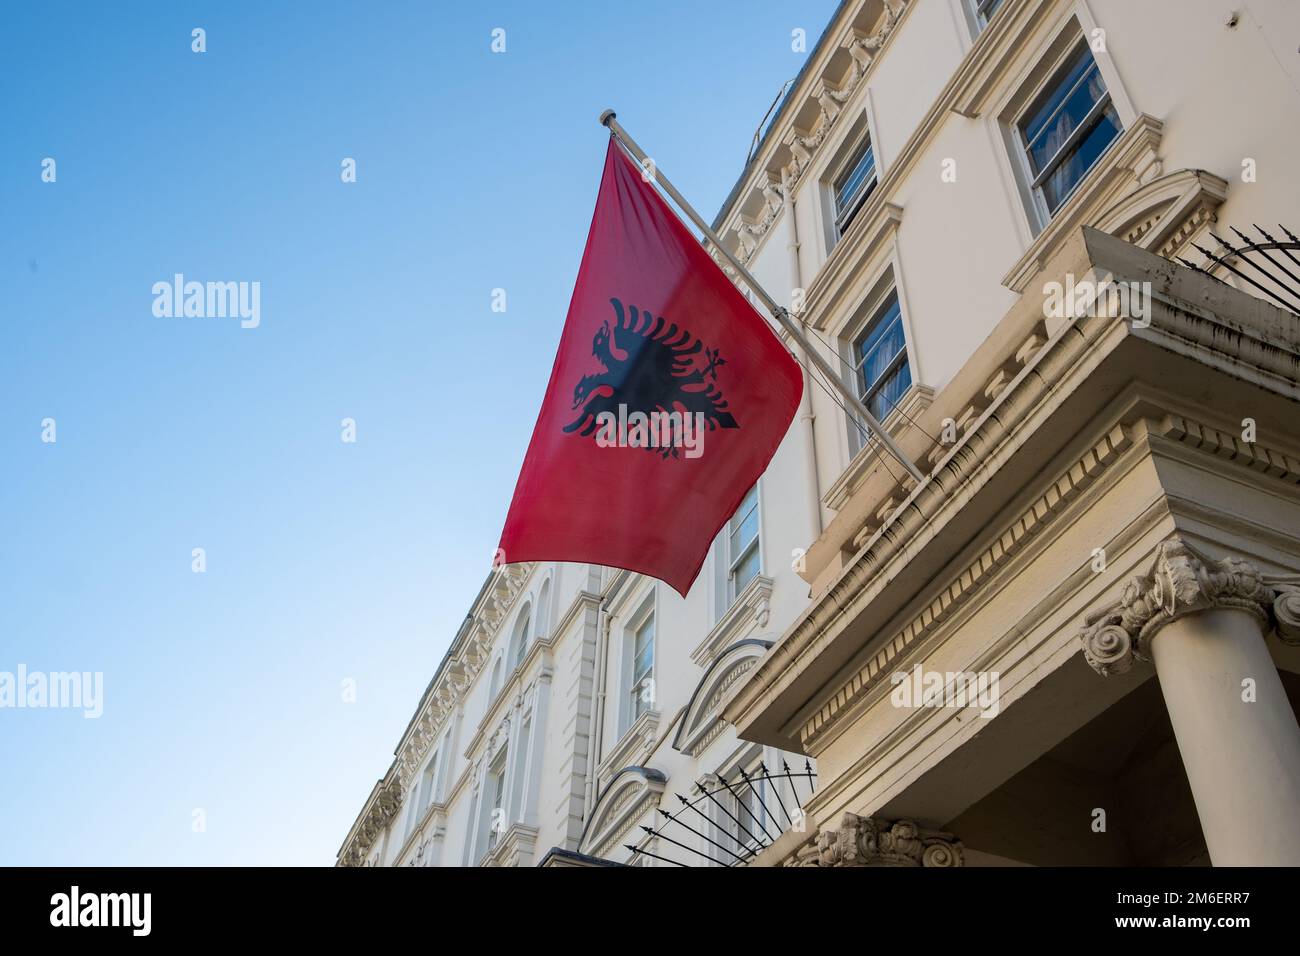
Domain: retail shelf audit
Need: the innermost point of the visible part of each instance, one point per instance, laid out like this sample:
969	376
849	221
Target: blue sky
326	560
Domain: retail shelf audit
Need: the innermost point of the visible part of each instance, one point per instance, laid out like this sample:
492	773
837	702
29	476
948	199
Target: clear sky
326	561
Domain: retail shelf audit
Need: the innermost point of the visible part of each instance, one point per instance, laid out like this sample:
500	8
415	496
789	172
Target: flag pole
779	312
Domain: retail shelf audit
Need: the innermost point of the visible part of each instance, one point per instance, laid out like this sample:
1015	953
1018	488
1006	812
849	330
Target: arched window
495	686
543	625
519	640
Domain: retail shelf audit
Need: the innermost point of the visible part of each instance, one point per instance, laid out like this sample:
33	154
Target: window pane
890	391
746	506
645	635
1080	158
853	180
644	661
1063	106
742	536
746	570
853	186
882	341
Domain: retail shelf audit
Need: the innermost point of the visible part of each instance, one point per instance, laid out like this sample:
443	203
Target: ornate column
1202	623
870	841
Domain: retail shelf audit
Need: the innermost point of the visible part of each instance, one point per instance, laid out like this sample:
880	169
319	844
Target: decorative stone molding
379	811
1182	581
636	744
631	793
516	847
1286	610
871	841
751	609
776	182
468	658
1028	525
1163	215
700	724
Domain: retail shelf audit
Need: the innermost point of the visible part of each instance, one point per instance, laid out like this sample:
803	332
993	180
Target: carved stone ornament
862	51
1182	581
870	841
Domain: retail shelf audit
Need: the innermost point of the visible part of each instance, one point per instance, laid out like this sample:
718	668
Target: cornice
1190	315
516	847
463	662
461	668
380	808
789	150
983	65
1031	522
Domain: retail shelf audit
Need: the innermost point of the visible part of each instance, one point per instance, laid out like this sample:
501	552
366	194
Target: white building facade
1107	540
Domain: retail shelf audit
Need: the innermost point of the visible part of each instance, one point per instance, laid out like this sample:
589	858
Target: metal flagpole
779	312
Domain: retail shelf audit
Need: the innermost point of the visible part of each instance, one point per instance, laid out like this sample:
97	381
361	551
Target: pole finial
606	116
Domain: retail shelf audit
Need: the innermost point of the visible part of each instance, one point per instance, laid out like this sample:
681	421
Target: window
853	183
519	641
880	360
430	781
440	784
641	687
984	10
748	810
496	792
1066	129
742	549
741	820
542	627
412	811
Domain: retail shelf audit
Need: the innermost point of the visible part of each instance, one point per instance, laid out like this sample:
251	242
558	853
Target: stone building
1077	641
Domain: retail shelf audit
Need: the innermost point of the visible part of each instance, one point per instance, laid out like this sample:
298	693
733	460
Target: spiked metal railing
742	846
1268	273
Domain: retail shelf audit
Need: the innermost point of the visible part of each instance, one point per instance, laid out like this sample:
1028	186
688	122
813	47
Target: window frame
979	11
498	796
862	144
876	305
645	615
732	561
1054	74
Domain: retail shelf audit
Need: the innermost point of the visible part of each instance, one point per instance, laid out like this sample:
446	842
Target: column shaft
1242	758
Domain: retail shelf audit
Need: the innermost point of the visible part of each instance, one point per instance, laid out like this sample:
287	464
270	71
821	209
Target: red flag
668	398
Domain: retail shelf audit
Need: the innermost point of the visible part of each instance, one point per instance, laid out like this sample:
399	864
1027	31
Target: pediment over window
631	793
702	723
1164	214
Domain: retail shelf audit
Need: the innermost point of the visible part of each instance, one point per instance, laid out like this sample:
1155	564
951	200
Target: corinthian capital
870	841
1181	581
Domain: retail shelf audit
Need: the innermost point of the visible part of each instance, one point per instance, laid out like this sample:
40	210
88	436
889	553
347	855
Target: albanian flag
667	400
